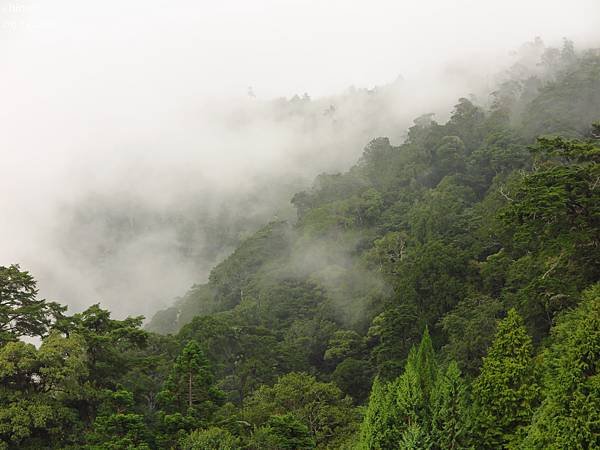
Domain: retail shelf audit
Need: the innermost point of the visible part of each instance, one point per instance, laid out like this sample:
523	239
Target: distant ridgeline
434	187
443	294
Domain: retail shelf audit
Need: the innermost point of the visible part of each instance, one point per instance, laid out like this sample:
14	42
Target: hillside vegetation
441	294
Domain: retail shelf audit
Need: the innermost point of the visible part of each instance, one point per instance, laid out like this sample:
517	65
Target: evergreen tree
426	365
505	391
410	400
379	429
189	390
399	411
414	438
413	394
569	417
449	421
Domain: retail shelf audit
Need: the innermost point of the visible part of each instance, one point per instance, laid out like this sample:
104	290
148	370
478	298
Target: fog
139	141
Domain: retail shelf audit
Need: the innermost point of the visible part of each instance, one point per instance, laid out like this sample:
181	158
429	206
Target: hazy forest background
436	289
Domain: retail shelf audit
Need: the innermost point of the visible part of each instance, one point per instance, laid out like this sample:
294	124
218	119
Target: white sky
279	47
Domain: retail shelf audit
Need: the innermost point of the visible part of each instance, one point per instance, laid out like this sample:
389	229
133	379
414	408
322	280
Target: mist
140	142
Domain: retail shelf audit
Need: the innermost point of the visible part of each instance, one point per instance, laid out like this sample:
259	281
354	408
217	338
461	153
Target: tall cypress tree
505	391
426	365
398	412
449	415
410	400
569	417
413	392
379	427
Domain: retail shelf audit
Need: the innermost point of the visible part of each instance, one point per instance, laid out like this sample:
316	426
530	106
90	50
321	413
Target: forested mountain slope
192	195
442	293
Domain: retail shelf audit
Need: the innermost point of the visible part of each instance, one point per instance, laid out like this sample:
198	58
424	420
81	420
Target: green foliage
443	212
413	394
569	417
21	312
401	411
465	222
213	438
568	105
393	333
198	301
116	427
353	376
229	278
189	397
243	356
552	227
379	428
426	365
39	390
411	403
414	438
149	369
189	388
432	277
450	425
505	391
470	328
283	432
344	344
107	341
467	122
321	407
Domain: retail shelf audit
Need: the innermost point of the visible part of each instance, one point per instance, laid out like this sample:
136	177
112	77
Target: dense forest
443	293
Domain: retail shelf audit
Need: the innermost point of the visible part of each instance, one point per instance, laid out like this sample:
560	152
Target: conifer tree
569	417
505	391
414	438
413	391
449	416
378	430
399	412
410	400
426	365
189	388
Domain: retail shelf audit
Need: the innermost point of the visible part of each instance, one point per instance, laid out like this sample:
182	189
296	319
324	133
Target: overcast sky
87	87
279	47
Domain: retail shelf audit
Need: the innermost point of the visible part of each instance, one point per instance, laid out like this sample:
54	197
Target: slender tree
426	365
569	417
189	388
379	428
450	412
505	391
